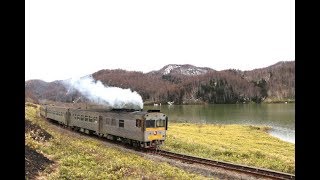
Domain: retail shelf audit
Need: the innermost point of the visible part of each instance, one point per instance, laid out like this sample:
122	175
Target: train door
67	118
100	124
167	123
143	127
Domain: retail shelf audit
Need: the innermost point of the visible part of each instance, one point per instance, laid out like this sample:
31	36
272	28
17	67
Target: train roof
122	111
108	110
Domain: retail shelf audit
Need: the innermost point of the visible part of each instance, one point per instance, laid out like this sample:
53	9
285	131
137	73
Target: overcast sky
72	38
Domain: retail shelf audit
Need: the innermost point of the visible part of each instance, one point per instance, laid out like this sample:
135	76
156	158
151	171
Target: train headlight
155	132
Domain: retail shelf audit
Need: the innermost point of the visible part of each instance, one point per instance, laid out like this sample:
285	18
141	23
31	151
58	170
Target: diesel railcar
146	129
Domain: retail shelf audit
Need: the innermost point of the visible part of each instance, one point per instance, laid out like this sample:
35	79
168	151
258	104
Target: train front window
150	123
161	123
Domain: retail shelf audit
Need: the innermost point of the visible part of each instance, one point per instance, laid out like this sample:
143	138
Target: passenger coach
146	129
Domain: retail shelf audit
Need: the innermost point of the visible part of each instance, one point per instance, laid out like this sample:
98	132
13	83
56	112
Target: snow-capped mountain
184	69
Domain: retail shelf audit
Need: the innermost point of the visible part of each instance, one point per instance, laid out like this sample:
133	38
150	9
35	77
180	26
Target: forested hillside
186	84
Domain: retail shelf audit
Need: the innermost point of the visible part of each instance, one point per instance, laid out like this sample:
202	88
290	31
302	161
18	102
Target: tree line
273	83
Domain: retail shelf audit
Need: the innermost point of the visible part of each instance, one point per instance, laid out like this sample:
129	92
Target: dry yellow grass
84	158
240	144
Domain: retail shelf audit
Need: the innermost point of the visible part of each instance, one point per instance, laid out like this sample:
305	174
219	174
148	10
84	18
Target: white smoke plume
112	96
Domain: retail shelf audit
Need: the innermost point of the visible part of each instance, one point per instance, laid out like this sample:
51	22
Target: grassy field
240	144
78	157
84	158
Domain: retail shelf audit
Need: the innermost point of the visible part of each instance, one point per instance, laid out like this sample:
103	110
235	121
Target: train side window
138	123
121	123
108	121
113	122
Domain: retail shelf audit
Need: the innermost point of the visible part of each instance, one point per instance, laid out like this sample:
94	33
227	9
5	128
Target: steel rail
226	165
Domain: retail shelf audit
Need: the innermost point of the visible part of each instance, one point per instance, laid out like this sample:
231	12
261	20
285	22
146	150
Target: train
139	128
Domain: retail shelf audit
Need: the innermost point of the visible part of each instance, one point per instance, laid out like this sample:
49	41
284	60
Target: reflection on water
281	117
283	134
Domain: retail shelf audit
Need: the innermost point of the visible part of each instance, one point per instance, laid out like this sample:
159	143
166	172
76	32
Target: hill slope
185	84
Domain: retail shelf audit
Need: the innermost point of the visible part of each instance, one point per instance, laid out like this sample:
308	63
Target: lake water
280	117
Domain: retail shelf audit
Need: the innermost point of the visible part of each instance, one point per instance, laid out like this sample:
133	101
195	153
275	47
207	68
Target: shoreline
204	103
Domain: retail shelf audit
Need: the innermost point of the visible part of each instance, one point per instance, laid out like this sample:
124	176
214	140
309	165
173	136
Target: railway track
258	172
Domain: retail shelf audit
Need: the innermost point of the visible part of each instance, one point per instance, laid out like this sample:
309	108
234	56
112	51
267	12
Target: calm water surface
281	117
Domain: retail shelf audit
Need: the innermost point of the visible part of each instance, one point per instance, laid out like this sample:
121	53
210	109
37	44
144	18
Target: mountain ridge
187	84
